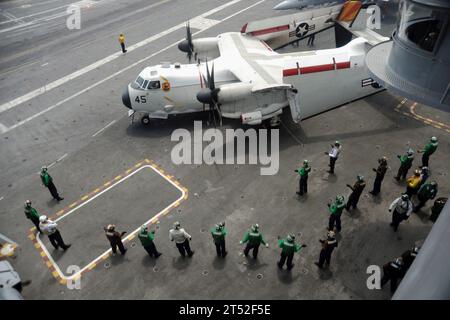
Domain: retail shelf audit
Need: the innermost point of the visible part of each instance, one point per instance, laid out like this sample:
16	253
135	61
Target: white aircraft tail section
354	20
281	30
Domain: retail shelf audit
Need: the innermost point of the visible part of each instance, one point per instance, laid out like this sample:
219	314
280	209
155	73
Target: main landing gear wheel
274	122
145	120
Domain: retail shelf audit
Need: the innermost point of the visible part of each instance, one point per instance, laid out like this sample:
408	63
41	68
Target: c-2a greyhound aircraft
247	80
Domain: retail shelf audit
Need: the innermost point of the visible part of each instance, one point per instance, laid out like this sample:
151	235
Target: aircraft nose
126	99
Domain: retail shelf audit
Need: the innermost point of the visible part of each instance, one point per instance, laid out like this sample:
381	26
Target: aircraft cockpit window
145	84
154	85
139	81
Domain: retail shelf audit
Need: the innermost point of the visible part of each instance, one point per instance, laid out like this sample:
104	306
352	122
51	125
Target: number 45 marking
141	99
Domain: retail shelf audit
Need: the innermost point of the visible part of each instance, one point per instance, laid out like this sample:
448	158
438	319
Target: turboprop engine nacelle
235	91
203	47
206	48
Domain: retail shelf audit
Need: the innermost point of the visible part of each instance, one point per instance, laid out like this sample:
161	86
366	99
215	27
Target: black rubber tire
145	120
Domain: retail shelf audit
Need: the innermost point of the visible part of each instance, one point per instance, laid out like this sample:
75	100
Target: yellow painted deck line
52	265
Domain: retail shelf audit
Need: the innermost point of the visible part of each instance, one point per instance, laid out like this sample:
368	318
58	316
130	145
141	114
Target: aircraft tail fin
358	20
349	11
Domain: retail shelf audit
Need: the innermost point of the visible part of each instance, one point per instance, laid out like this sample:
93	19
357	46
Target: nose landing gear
145	120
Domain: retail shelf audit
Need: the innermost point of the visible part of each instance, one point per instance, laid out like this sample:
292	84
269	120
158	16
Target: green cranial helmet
433	139
290	237
305	162
44	169
255	227
28	203
340	198
360	177
143	228
218	226
410	152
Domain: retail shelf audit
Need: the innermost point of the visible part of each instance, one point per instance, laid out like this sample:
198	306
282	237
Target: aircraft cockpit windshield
147	84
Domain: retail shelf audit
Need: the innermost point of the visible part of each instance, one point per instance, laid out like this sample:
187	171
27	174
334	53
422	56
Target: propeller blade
219	112
212	84
213	114
190	45
208	75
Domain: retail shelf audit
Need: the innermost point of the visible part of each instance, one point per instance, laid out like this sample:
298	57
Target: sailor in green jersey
32	214
426	192
303	173
336	209
405	164
47	181
288	248
253	238
428	150
218	234
146	239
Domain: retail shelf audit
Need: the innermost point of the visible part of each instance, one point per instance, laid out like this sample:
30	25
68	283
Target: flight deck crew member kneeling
181	238
146	239
49	228
115	239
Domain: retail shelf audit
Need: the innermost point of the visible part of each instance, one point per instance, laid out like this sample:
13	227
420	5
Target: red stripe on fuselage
314	69
269	30
343	65
290	72
319	68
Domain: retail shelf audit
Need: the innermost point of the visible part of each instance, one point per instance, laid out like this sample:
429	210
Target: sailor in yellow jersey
122	42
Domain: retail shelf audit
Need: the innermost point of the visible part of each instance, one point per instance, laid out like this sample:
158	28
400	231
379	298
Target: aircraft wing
249	59
241	54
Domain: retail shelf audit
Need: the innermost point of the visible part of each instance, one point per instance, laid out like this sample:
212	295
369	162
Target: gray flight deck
128	203
80	127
